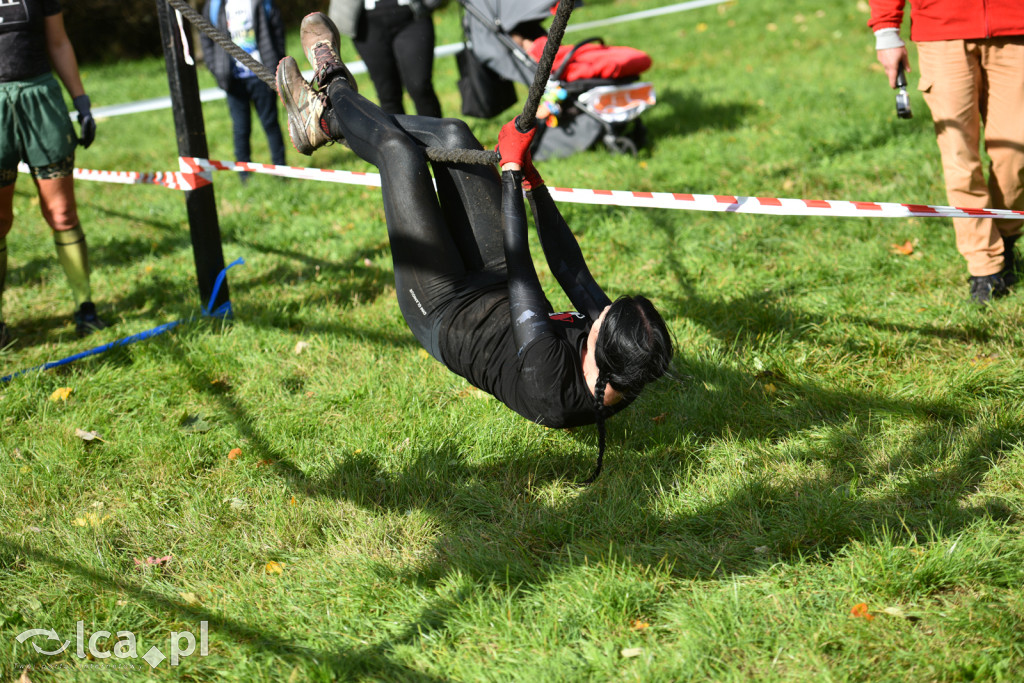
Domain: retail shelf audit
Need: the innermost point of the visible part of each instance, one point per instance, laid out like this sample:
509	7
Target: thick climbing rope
524	121
528	119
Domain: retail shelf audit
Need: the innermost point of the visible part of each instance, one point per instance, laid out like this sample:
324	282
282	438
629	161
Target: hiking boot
304	107
5	337
984	288
320	38
86	320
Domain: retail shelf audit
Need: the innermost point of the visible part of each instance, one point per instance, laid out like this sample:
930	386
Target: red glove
531	179
513	146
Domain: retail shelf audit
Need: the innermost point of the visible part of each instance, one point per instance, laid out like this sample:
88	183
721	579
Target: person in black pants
464	277
395	39
256	27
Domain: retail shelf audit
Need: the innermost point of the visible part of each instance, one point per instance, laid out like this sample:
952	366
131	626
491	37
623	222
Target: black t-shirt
545	385
23	52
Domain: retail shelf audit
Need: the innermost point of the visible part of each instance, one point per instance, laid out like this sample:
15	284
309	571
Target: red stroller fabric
593	60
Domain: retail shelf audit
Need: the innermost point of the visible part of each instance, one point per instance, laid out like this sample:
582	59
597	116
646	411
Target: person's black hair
633	349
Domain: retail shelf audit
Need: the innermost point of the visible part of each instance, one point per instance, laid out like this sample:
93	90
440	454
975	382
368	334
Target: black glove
85	120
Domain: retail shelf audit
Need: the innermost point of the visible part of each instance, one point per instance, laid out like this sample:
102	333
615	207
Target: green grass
842	427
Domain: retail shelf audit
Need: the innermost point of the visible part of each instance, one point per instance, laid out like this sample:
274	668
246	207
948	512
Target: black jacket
269	38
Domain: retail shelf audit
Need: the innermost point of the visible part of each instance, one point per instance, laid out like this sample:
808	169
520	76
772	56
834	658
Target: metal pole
188	123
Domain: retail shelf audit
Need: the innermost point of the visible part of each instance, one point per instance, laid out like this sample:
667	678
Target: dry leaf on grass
629	652
61	394
907	248
153	561
191	598
860	611
234	453
274	567
87	436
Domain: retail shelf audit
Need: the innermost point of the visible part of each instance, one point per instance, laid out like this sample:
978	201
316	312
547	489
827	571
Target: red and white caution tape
196	172
770	205
324	174
172	180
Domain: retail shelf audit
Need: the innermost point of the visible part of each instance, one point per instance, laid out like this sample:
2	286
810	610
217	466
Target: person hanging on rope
464	277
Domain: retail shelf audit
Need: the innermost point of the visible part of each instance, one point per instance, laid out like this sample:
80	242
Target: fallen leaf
300	347
770	388
121	603
191	598
423	353
61	394
640	625
90	519
659	419
236	503
264	463
87	436
860	610
761	549
629	652
907	248
234	453
274	567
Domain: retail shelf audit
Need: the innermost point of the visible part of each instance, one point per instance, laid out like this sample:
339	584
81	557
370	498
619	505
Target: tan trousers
967	83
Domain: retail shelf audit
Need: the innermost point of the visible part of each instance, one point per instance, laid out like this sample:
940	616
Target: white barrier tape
197	172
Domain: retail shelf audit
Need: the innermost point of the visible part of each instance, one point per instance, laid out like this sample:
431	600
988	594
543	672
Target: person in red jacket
971	57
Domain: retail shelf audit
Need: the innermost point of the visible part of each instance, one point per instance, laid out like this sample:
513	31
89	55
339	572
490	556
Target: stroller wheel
618	144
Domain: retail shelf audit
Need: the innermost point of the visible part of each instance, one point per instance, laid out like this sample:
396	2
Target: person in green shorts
35	128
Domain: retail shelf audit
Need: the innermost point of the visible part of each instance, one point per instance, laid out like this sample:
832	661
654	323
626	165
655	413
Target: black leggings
443	243
398	49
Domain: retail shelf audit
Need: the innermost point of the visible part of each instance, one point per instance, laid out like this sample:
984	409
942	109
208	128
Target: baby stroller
594	92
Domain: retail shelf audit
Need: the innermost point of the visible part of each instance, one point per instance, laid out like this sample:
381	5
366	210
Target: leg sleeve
427	262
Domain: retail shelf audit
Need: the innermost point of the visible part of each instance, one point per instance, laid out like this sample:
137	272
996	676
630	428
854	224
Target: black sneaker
5	337
984	288
86	320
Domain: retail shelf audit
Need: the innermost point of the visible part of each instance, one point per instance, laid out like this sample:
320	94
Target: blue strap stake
223	311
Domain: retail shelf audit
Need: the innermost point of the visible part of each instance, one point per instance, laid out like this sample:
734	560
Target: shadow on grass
351	661
681	113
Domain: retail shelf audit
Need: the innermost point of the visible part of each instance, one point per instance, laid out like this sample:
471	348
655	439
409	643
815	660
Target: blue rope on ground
223	311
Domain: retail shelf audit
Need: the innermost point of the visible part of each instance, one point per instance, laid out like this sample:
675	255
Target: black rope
527	120
224	40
